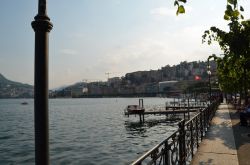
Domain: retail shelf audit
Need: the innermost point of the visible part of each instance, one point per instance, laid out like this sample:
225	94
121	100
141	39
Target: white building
165	85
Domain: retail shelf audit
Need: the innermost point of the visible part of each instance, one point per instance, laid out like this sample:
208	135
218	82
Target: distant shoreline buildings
11	89
169	80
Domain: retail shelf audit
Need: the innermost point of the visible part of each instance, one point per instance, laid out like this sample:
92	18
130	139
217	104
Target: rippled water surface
82	131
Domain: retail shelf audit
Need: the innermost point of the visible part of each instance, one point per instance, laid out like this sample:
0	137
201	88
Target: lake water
82	131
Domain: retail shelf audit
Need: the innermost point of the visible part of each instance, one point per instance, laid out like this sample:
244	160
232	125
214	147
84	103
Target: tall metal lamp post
209	79
42	26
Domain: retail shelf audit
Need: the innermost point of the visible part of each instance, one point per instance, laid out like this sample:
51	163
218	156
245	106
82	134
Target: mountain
12	89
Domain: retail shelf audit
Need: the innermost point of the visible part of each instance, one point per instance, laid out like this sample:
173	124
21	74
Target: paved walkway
218	147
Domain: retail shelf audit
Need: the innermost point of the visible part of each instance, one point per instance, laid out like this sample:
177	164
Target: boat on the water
135	109
24	103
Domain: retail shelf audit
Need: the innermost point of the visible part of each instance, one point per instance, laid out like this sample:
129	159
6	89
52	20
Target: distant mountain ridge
12	89
3	79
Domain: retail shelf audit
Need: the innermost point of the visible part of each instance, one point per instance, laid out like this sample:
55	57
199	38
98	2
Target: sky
94	37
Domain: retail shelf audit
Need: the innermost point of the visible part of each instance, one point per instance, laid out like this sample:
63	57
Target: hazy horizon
91	38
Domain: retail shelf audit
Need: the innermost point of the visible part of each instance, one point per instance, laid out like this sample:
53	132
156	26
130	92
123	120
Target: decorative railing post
197	131
42	27
166	154
208	117
204	122
182	142
188	110
211	112
201	124
154	155
192	138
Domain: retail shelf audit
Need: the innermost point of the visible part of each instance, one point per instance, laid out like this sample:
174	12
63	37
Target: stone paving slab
218	146
215	159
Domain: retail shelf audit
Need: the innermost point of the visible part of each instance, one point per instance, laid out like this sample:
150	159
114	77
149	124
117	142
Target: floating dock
184	107
166	112
169	109
161	112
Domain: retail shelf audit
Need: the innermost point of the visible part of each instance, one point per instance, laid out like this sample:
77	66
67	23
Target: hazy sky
92	37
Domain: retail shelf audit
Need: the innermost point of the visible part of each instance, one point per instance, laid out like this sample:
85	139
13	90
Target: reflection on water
137	128
82	131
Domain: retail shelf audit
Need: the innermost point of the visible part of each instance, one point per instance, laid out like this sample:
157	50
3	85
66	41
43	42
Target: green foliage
233	2
180	10
198	87
233	68
241	8
232	12
180	6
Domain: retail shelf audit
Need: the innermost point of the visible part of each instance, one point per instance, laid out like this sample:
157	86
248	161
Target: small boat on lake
135	109
24	103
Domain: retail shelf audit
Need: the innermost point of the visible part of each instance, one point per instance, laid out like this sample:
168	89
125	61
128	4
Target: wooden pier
166	112
170	109
184	107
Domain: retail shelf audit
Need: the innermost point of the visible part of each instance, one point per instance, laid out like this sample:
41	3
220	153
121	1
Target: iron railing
179	148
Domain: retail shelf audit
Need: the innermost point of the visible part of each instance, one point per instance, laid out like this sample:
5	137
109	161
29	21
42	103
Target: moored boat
135	109
24	103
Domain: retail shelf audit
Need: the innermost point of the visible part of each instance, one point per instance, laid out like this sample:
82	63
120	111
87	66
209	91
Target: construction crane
109	73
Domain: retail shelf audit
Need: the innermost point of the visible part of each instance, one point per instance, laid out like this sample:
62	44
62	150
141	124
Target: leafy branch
180	6
233	68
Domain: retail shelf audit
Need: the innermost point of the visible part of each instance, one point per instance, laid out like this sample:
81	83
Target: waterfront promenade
226	142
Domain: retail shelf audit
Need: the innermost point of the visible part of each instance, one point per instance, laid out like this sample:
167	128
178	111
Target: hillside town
11	89
169	80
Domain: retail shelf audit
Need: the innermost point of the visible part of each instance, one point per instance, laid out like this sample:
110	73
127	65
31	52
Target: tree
181	8
233	67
